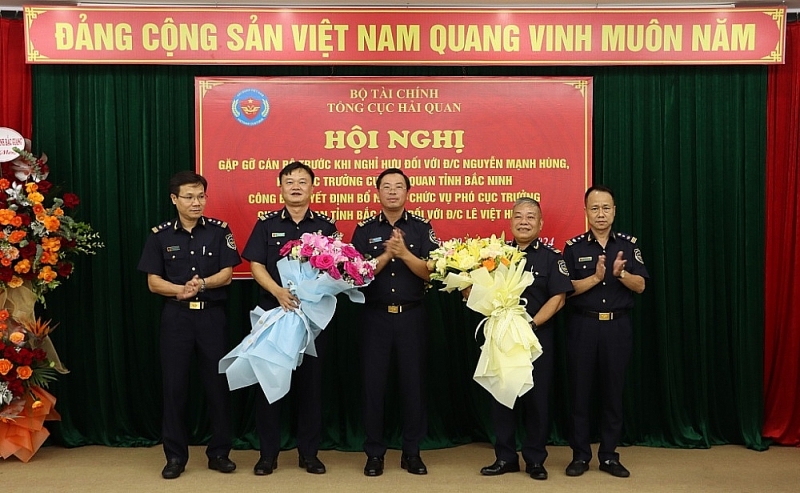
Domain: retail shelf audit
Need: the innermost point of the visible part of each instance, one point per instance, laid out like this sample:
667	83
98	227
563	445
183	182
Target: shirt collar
590	236
285	215
534	244
382	217
177	226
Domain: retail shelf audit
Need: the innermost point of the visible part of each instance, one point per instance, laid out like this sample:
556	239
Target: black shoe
413	464
577	467
173	469
374	466
265	465
221	464
614	468
500	467
536	471
312	464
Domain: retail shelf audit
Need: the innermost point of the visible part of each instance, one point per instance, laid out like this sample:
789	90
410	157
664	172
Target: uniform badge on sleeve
562	268
638	256
432	236
230	241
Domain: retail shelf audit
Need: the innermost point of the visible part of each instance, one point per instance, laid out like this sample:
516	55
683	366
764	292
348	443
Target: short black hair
392	171
186	177
294	166
598	188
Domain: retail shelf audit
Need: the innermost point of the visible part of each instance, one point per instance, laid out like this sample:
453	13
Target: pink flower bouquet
315	268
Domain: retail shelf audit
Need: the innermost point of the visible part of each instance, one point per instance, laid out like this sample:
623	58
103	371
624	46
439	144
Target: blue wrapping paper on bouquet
279	339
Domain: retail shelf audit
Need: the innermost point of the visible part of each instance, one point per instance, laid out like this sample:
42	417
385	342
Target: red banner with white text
471	147
371	36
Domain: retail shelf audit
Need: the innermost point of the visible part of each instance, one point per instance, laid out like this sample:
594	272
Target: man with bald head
543	298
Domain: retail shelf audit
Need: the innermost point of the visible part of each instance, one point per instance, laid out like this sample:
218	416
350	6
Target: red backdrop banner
196	35
471	147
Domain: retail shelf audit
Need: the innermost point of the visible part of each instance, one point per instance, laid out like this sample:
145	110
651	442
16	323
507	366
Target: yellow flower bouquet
495	272
455	259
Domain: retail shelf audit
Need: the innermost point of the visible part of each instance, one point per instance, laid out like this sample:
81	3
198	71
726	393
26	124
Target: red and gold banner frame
340	36
471	147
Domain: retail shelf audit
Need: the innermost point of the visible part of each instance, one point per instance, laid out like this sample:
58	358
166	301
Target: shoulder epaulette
368	220
550	247
269	215
324	217
419	218
628	237
576	239
162	227
217	222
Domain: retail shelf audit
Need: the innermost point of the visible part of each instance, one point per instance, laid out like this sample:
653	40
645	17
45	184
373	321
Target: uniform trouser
597	349
185	332
405	333
534	405
306	389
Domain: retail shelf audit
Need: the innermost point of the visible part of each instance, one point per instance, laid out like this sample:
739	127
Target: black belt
600	315
196	305
396	308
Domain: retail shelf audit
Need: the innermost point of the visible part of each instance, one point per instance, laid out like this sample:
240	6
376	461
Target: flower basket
38	241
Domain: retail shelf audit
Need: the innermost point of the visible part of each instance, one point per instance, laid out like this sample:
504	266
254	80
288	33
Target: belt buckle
393	308
605	316
195	305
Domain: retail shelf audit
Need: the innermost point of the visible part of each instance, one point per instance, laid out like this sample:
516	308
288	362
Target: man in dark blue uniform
269	235
394	319
544	297
190	261
606	269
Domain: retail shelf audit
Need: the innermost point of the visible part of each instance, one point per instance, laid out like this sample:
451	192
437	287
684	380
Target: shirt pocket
177	265
585	266
540	279
274	246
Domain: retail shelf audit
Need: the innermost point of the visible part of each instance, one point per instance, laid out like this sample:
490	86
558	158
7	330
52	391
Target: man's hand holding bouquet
495	274
314	269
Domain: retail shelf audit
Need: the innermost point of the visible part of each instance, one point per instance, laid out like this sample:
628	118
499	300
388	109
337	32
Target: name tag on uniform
175	248
375	240
278	235
585	259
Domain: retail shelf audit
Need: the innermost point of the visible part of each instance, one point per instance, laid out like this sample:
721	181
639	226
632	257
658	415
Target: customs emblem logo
250	107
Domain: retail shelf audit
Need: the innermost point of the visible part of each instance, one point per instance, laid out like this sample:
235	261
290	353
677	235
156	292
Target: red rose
16	387
26	219
28	251
6	273
64	269
44	186
8	171
71	200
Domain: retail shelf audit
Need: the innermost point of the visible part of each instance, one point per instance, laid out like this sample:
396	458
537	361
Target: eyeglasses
191	198
389	188
596	210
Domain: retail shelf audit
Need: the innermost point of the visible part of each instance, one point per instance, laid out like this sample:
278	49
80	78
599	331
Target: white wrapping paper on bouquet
279	339
505	365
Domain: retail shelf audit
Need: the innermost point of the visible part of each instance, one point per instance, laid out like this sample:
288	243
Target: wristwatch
622	274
